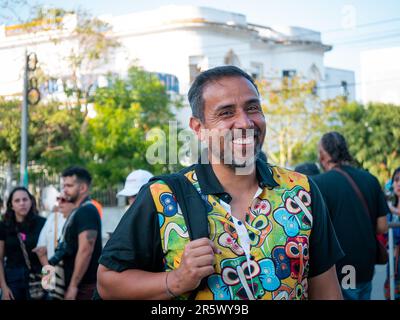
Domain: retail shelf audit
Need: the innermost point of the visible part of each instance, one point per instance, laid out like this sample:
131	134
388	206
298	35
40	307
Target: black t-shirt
85	218
136	243
12	250
354	229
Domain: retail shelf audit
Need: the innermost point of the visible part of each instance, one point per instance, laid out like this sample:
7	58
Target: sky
350	26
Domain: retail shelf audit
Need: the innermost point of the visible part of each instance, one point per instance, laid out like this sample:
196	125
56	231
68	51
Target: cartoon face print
170	206
295	215
238	273
297	201
282	262
226	241
283	293
297	250
263	226
260	207
289	222
242	279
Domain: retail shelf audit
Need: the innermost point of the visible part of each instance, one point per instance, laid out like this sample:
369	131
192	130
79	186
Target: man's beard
73	198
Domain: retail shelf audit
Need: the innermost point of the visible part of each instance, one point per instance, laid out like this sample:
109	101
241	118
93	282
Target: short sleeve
2	231
43	233
87	218
325	250
136	242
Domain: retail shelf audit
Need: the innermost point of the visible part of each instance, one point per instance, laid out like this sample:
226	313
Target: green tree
115	140
295	118
373	135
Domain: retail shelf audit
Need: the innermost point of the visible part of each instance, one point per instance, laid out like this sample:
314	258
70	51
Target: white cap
135	180
49	197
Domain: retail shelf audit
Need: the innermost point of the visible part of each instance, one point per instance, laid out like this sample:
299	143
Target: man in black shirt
354	229
82	235
269	233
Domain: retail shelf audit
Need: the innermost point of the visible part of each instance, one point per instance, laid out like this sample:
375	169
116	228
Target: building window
288	73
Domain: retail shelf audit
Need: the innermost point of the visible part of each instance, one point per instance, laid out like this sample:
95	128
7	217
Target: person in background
51	232
82	236
308	168
21	221
356	228
48	238
99	207
134	181
394	207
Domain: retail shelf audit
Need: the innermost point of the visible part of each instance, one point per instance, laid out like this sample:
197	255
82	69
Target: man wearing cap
135	180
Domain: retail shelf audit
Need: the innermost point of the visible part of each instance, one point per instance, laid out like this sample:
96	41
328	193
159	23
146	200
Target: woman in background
21	223
394	206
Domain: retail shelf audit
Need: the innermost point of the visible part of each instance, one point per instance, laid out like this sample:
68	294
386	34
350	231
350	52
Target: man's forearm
81	265
133	284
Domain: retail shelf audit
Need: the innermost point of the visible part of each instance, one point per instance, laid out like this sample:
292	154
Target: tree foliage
295	118
115	140
373	134
10	130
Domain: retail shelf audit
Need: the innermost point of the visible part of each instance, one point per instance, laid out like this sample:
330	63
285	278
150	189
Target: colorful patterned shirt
286	237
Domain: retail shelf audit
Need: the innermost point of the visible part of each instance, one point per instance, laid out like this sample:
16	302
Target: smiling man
270	236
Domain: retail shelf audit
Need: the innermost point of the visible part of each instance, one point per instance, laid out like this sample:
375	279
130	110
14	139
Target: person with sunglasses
51	232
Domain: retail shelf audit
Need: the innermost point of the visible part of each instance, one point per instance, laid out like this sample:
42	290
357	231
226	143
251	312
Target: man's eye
226	113
253	107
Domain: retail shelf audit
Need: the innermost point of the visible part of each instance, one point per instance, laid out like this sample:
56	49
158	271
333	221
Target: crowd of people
208	232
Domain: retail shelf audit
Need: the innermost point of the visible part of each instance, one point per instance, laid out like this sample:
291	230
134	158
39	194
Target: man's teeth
244	140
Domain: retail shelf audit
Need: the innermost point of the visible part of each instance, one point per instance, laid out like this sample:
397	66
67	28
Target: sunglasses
61	200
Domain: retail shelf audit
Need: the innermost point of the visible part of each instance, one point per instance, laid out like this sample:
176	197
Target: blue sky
349	25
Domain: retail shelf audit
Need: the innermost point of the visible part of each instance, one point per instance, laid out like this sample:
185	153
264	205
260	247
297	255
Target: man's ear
84	187
196	125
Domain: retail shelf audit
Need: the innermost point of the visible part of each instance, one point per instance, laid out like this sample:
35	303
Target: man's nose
243	120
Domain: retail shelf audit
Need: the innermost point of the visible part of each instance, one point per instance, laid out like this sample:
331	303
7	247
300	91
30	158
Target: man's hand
7	294
197	262
71	293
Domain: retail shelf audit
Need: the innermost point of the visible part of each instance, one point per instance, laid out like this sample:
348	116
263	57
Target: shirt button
239	223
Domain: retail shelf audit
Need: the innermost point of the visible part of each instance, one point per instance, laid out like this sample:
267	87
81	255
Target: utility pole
31	96
24	128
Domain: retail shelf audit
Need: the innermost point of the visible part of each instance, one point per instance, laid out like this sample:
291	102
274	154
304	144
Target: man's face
72	189
233	121
323	157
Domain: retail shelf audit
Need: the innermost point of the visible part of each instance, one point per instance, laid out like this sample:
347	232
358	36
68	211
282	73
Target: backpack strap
192	205
193	208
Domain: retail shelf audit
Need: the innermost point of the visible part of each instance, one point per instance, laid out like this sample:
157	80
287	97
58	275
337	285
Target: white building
182	41
380	75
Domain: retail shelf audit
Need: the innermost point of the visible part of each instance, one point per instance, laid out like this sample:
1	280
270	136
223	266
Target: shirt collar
209	183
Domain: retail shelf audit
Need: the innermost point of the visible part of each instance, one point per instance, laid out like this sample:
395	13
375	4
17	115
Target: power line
347	29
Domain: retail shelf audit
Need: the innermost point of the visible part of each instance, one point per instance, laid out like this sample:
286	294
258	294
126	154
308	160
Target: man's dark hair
336	146
82	175
307	168
195	94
